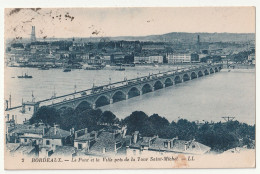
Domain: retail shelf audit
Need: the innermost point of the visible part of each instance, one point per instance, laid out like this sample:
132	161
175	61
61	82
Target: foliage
219	136
46	115
108	117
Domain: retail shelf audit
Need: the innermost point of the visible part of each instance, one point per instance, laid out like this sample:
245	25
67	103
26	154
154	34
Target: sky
105	22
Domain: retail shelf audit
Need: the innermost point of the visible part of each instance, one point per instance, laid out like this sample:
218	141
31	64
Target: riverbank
238	70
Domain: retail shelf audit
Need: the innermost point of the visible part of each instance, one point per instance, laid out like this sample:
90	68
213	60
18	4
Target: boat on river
66	70
25	76
44	67
94	67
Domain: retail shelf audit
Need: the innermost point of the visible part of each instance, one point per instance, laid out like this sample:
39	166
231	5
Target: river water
208	98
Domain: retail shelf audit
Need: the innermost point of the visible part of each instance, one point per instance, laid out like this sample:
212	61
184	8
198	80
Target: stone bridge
123	90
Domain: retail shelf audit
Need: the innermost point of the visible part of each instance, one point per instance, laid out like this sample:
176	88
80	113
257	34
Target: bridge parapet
129	88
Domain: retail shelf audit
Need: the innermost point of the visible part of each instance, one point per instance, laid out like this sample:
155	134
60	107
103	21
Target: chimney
76	134
169	144
86	130
72	130
186	146
95	134
174	141
53	148
130	142
43	131
135	137
6	101
55	129
149	142
124	132
115	147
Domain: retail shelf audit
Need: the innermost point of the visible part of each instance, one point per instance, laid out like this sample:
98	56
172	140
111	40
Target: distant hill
192	37
168	37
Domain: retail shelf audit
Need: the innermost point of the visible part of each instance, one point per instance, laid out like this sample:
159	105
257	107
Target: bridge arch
83	105
185	77
177	79
118	96
168	82
158	85
206	72
211	71
133	92
147	88
216	69
200	74
193	75
102	101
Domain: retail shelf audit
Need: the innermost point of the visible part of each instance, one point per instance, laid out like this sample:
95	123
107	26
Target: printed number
22	160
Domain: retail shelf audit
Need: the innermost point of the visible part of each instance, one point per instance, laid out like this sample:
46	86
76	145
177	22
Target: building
160	146
155	59
25	134
56	137
84	140
67	151
105	142
178	58
148	59
141	59
96	60
202	56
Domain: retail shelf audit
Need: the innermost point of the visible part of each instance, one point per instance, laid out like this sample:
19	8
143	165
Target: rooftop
106	140
60	133
21	129
64	150
178	146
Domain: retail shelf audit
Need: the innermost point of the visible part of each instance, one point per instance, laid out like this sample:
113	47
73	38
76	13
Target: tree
135	122
46	115
158	121
187	130
108	117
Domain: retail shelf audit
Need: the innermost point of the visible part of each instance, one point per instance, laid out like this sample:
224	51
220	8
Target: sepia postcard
129	88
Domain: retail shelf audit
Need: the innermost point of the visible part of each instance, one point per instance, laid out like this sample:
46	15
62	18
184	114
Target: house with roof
26	134
56	137
83	139
160	146
105	142
26	150
14	149
68	151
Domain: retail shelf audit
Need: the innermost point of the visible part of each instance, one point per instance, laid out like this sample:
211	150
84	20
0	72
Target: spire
33	37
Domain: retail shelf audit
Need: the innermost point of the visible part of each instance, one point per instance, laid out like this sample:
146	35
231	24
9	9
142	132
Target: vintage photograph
129	88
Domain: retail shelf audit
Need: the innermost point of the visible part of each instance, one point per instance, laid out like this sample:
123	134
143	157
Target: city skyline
112	22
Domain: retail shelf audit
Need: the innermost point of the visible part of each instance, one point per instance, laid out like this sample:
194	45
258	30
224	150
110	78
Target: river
208	98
